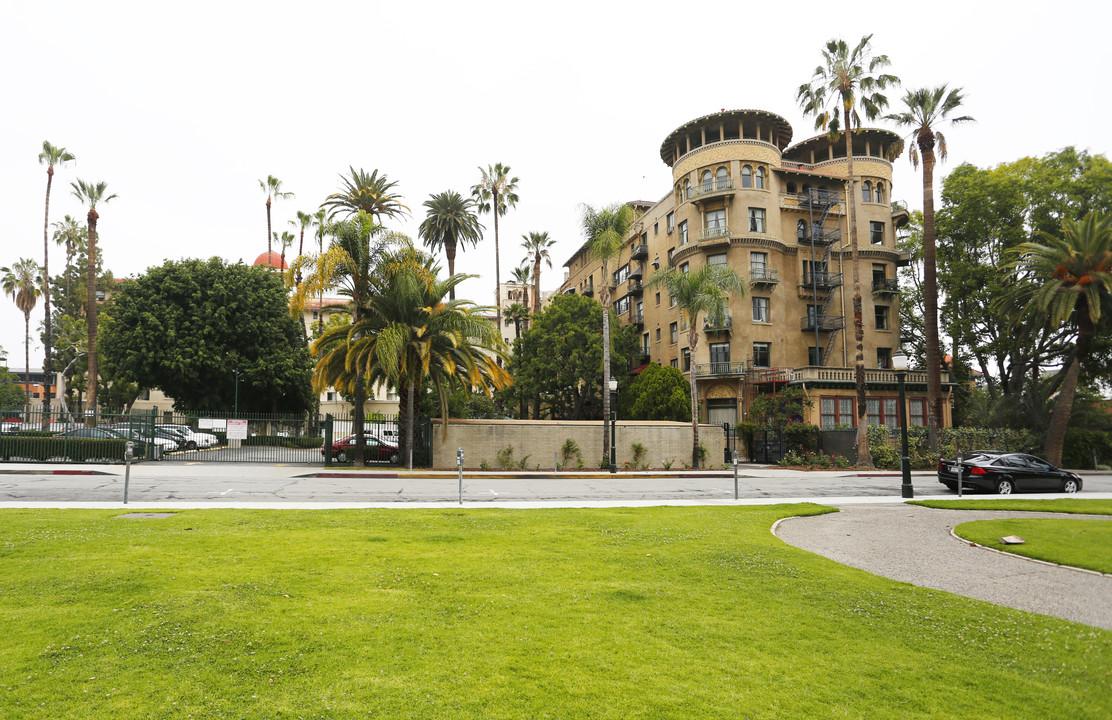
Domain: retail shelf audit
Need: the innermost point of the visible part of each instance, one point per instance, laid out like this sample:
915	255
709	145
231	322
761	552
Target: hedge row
74	449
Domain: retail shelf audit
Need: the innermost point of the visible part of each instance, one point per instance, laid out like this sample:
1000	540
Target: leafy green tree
50	156
536	246
1071	281
450	223
605	230
848	80
272	186
68	232
23	283
371	194
703	291
496	193
927	109
185	327
11	396
657	393
779	409
559	358
91	195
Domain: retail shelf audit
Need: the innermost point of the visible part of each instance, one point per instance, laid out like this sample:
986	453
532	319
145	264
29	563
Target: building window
670	251
622	306
656	229
716	219
882	411
658	334
801	230
917	412
747	177
866	191
685	268
671	222
835	411
760	309
884	358
814	356
658	299
758	265
675	363
880	272
645	344
716	259
720	352
760	178
708	181
879	193
876	232
671	301
686	353
683	233
812	315
330	396
881	314
722	178
814	270
674	333
762	354
686	189
756	220
316	314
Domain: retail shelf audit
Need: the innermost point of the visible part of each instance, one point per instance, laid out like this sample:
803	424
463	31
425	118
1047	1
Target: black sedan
1005	473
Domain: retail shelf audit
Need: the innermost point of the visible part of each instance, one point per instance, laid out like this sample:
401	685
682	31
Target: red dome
271	259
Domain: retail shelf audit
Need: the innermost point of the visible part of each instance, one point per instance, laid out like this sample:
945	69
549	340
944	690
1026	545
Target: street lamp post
236	413
613	423
899	364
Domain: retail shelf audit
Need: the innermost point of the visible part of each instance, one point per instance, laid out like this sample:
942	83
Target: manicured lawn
1061	505
618	613
1077	542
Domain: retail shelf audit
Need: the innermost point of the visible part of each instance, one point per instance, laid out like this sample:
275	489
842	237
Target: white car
193	439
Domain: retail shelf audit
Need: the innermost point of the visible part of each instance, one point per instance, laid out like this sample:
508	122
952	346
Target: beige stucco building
742	194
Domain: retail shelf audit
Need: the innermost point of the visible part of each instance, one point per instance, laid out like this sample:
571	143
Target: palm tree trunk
1060	418
409	425
359	396
863	457
27	361
69	270
605	297
47	363
692	341
269	248
450	253
930	296
537	284
91	320
497	270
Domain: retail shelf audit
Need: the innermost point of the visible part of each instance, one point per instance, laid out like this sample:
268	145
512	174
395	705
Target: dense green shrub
1081	445
800	437
73	449
295	441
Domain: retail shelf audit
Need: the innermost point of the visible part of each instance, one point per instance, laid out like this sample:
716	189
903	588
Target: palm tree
412	334
1071	278
366	193
50	156
518	314
284	241
926	109
91	194
69	232
22	282
496	193
272	186
707	291
349	264
522	275
304	222
536	246
450	221
320	227
605	230
845	82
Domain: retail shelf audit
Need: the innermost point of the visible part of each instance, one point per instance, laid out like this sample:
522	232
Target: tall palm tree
496	193
412	334
605	230
519	315
320	227
522	276
90	194
349	264
69	232
284	241
22	281
928	108
303	222
848	80
703	291
450	221
272	186
536	246
50	156
1070	279
365	193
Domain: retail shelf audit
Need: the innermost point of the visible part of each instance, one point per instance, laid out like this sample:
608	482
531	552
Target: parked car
95	433
374	449
11	425
142	433
1005	473
193	438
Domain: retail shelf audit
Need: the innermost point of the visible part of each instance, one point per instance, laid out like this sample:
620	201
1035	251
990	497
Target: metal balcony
715	187
638	319
720	369
723	324
822	323
589	289
634	286
712	233
763	276
821	236
886	286
823	282
640	251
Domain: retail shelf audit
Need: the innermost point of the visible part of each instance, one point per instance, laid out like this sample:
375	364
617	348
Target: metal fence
32	436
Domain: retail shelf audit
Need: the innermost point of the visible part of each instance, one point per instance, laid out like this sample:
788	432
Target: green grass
1071	541
607	613
1061	505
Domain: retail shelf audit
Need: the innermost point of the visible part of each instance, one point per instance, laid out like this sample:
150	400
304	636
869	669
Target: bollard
459	463
735	474
129	454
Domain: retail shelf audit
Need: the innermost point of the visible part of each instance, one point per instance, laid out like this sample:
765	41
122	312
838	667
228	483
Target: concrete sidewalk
913	544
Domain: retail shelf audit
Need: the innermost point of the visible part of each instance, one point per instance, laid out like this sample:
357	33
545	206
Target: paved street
213	484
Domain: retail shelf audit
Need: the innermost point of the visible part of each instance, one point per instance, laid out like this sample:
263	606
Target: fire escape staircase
820	239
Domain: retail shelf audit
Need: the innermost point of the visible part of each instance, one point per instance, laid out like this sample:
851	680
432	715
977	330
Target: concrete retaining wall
542	440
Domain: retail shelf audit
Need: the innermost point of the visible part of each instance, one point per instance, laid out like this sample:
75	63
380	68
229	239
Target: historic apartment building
744	196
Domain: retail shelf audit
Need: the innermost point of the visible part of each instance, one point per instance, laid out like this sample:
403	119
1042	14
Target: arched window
880	192
866	191
707	181
722	178
686	189
747	177
791	188
760	178
801	230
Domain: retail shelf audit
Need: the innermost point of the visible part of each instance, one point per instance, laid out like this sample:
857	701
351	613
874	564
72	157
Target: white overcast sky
182	107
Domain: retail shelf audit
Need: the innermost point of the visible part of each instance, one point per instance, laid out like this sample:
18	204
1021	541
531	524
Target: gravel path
913	544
